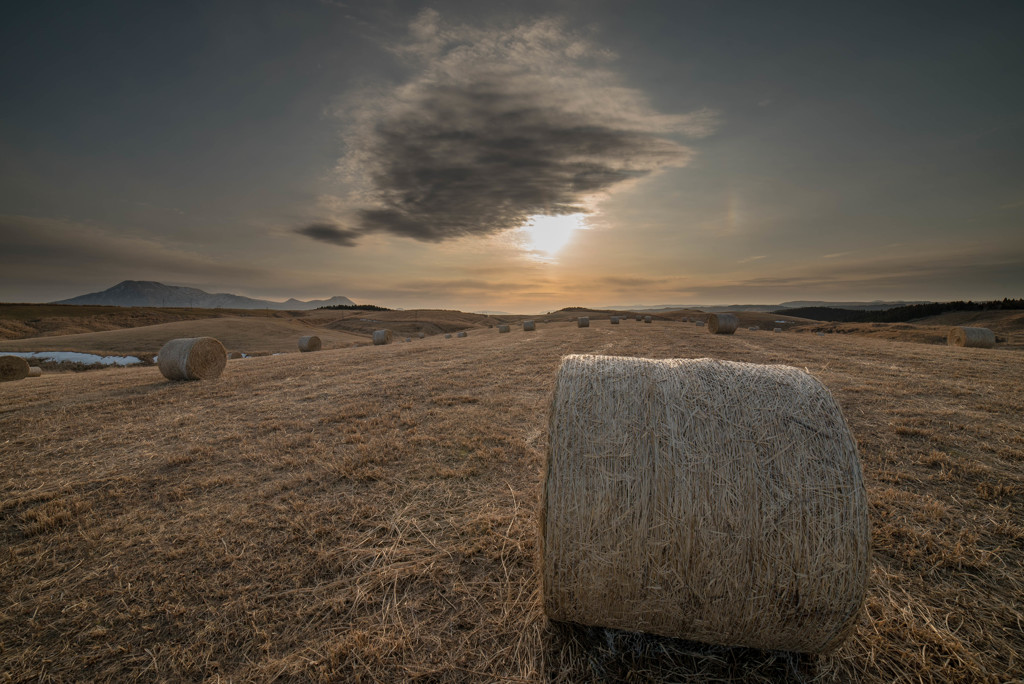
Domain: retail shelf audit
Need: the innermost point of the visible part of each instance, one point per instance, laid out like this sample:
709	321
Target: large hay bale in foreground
722	324
13	368
192	358
582	322
964	336
615	320
709	500
35	372
310	343
529	325
504	329
382	337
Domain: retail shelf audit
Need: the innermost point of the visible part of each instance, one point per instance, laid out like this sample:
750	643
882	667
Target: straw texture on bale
504	329
34	371
963	336
192	358
310	343
710	500
615	320
382	337
529	325
777	330
647	319
722	324
462	333
582	322
13	368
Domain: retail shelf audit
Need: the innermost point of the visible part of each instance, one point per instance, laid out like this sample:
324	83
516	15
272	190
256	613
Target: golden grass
371	514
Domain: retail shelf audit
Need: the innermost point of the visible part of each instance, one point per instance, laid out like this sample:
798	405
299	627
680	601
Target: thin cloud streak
493	127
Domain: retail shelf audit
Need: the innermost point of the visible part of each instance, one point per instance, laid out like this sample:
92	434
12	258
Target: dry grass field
370	514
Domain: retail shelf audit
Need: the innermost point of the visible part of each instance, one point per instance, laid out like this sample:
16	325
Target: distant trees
364	307
899	314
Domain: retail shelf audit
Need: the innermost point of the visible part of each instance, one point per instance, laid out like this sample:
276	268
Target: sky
517	156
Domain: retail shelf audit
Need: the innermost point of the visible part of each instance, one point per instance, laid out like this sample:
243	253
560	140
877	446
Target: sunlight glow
547	235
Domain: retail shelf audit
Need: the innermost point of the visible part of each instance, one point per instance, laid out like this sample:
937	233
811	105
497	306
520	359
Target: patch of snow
77	357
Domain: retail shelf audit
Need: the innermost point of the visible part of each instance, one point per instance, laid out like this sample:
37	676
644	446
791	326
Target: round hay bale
448	336
13	368
529	326
709	500
582	322
420	335
408	339
777	330
615	320
310	343
638	319
382	337
647	319
238	355
35	371
462	333
192	358
963	336
504	329
722	324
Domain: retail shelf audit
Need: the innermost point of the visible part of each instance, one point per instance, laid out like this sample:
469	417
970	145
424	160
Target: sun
545	236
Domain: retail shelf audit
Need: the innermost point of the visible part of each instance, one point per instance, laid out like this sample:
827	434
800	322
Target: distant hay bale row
709	500
615	320
964	336
722	324
35	371
462	333
13	368
504	329
382	337
192	358
529	326
582	322
310	343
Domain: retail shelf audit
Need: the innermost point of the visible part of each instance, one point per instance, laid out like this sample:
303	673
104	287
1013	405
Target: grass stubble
370	514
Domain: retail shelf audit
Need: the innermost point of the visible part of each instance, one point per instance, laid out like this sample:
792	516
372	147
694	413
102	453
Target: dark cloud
494	127
328	232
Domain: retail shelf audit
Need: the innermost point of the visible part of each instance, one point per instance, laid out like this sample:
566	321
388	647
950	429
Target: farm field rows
370	513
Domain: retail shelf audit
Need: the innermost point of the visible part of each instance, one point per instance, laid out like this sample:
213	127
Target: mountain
150	293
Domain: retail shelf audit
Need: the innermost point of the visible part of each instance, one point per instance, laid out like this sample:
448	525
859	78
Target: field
370	513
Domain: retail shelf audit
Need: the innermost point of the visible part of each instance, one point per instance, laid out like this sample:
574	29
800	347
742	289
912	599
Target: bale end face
965	336
310	343
722	324
657	529
13	368
192	358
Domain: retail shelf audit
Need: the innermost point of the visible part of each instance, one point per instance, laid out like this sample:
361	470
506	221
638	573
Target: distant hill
151	293
766	308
